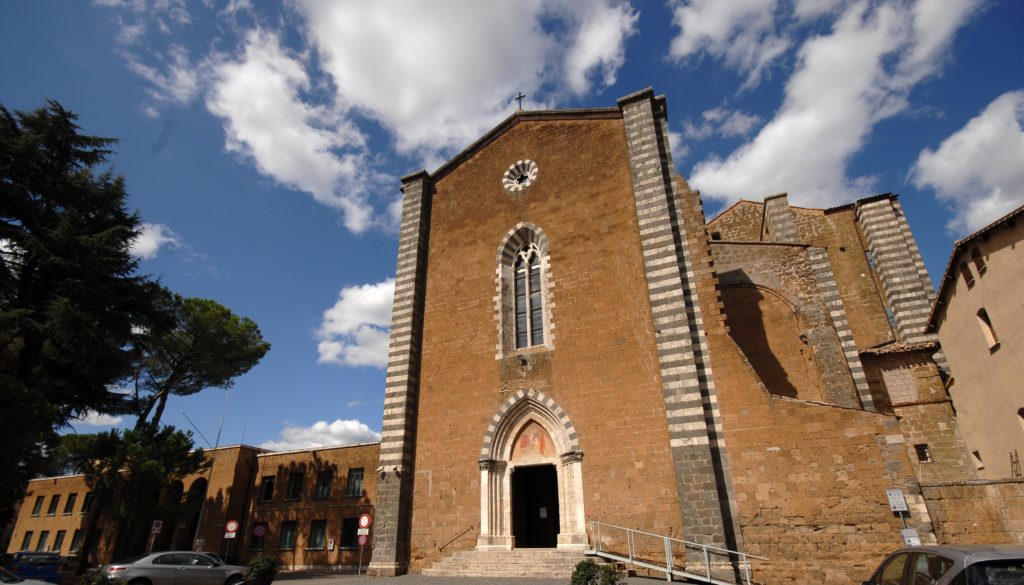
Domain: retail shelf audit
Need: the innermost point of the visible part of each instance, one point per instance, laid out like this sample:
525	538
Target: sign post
153	531
364	529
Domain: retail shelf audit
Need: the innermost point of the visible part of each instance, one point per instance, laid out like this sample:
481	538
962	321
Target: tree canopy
69	291
81	331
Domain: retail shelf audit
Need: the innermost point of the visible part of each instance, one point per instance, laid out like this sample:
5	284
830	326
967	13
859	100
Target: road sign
231	526
363	531
157	525
364	521
897	503
230	534
259	530
362	539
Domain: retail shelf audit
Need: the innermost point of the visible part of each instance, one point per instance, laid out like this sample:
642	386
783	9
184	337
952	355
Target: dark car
174	568
41	566
955	564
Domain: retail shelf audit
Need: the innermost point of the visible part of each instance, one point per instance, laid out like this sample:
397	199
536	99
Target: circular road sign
259	530
362	539
231	526
364	521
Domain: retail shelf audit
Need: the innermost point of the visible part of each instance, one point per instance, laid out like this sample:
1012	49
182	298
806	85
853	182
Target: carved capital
491	465
572	457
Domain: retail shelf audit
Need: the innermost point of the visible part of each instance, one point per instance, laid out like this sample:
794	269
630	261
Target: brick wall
604	356
977	512
808	480
739	223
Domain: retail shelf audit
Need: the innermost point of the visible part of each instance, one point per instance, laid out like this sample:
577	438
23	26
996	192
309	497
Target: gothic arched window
523	303
529	304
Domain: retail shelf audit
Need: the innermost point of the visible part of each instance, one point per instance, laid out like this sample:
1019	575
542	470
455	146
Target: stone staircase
550	563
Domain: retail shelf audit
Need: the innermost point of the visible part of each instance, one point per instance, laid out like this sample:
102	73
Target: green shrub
588	572
261	568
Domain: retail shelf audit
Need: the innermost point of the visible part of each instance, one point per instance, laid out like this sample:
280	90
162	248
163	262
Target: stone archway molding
496	469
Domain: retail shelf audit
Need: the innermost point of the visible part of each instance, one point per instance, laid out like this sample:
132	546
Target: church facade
573	342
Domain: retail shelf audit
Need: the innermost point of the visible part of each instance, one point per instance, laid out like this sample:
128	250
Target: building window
923	454
979	261
523	304
27	541
716	236
986	329
294	486
267	488
349	527
354	486
529	305
43	537
69	506
259	536
76	541
87	502
966	274
317	535
58	541
978	463
287	538
54	504
38	506
323	483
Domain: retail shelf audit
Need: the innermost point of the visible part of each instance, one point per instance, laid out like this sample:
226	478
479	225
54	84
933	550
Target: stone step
535	563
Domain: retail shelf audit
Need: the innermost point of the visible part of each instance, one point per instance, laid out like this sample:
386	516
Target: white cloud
95	419
721	121
152	237
294	142
740	32
443	72
323	434
978	170
354	332
599	42
845	82
179	84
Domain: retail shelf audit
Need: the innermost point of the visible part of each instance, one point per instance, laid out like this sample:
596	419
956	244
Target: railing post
707	561
629	541
746	568
668	559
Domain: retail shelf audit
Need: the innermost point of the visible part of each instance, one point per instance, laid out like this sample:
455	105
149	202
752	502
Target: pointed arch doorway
531	482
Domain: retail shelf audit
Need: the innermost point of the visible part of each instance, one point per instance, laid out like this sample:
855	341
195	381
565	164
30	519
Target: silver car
954	564
174	568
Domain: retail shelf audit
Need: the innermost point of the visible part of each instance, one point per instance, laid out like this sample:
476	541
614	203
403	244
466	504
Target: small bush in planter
588	572
262	570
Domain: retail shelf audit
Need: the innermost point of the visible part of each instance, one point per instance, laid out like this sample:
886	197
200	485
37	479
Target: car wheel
234	580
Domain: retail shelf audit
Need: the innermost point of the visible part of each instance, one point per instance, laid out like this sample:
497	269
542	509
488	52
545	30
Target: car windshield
7	577
1009	572
130	560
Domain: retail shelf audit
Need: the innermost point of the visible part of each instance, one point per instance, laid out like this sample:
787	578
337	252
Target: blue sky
262	142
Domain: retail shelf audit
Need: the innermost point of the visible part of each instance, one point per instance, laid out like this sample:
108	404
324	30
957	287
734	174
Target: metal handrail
668	567
457	536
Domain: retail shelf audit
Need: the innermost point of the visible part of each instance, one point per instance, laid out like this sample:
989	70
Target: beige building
979	316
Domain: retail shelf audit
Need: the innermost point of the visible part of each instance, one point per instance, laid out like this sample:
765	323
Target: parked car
957	564
174	568
39	566
9	578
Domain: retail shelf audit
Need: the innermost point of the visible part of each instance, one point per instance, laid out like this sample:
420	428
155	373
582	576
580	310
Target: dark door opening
535	506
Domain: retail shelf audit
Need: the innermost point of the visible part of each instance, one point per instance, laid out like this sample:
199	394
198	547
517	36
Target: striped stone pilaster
398	437
905	283
687	386
826	280
779	221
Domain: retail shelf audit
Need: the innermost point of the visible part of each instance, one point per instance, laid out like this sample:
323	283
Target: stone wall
739	223
808	479
977	512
